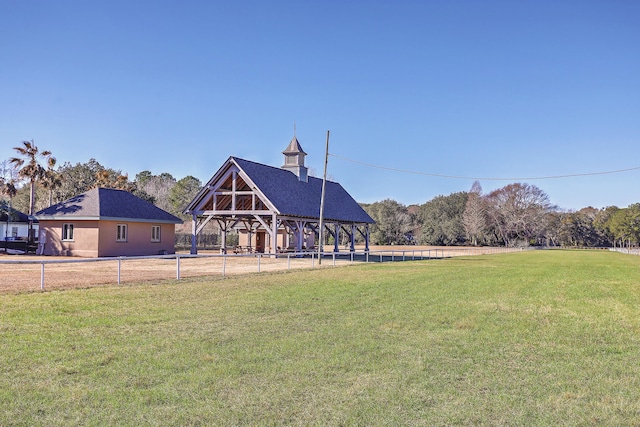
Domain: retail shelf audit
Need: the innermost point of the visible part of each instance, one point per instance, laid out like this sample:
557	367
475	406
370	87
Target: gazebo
276	209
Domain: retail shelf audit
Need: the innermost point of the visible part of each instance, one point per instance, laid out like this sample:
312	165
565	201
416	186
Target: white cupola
294	160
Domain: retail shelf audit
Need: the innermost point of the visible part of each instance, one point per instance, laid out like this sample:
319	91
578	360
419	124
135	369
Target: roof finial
294	128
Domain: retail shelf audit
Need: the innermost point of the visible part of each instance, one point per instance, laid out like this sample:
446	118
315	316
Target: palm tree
51	179
29	167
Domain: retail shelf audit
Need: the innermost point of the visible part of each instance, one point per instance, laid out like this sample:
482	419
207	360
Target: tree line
32	181
517	214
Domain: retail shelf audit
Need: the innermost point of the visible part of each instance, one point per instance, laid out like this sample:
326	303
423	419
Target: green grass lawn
531	338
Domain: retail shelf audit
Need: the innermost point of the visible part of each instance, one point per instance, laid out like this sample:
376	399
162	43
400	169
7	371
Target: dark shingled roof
107	204
290	196
16	216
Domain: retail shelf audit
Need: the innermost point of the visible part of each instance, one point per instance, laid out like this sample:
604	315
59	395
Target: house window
121	235
67	232
14	231
155	233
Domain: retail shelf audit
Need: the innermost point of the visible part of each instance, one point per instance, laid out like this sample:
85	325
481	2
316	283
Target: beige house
105	222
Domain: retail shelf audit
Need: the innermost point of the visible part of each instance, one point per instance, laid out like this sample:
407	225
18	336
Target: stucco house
105	222
276	209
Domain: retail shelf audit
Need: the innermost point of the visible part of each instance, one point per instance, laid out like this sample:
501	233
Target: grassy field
531	338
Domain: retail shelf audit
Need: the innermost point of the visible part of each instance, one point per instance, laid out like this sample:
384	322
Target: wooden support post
366	238
194	235
223	246
274	234
299	235
352	248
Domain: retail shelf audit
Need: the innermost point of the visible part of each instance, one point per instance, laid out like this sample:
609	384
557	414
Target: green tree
78	179
143	177
393	224
625	225
82	177
586	227
576	228
601	223
182	193
634	221
442	220
29	166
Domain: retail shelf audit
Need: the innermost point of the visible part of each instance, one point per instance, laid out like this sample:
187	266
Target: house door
260	241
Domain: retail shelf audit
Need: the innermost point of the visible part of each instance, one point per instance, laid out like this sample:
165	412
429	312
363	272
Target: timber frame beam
234	202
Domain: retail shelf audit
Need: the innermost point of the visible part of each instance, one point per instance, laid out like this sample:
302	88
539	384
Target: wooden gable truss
234	202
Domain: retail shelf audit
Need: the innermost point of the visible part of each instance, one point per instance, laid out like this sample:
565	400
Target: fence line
157	267
630	251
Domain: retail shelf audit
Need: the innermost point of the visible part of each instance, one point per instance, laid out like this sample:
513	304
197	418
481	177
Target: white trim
122	237
69	226
157	239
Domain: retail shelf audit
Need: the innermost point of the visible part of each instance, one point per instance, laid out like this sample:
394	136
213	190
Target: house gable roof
107	204
15	216
292	197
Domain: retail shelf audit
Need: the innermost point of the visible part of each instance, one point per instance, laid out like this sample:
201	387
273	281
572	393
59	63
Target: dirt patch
19	273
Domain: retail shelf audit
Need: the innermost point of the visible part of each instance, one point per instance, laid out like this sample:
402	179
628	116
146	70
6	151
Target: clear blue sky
504	89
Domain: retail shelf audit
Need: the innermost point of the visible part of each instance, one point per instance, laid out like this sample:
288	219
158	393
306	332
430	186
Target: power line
531	178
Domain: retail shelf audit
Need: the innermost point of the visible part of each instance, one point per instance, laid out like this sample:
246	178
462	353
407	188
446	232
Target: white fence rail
22	274
630	251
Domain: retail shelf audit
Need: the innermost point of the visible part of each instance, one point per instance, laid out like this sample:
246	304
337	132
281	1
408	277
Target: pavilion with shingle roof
276	209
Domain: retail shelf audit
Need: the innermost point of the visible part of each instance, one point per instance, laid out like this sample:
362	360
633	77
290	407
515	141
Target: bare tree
8	178
553	232
157	186
8	172
518	212
474	217
7	188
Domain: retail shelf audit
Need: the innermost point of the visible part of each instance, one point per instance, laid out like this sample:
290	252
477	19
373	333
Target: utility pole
324	184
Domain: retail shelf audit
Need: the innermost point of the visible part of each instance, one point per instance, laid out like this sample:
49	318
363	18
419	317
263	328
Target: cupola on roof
294	160
294	147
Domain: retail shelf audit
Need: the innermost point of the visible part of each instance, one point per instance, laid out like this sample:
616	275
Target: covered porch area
274	234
